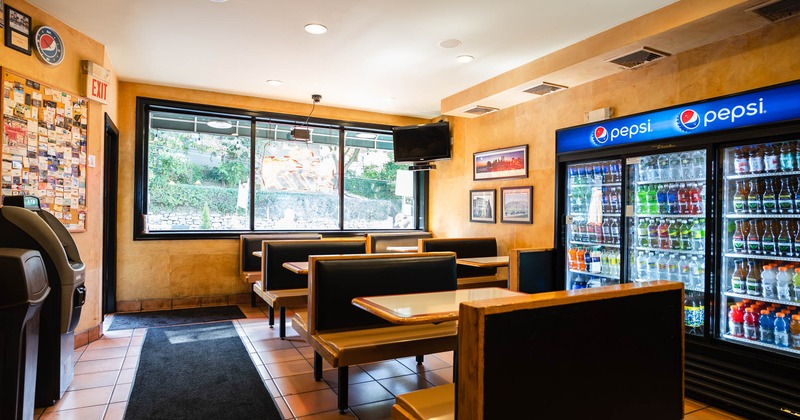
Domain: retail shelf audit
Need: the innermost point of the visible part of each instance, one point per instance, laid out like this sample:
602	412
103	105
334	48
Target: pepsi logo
49	46
600	135
688	120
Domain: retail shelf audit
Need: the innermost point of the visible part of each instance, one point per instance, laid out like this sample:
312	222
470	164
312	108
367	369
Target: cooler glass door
760	267
593	224
666	213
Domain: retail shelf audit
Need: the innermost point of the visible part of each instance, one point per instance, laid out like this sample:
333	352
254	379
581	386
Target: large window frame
145	106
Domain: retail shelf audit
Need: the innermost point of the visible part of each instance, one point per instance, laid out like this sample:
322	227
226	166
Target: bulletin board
44	147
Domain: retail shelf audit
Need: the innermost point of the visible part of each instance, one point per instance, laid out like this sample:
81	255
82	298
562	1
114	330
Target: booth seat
249	264
469	277
380	242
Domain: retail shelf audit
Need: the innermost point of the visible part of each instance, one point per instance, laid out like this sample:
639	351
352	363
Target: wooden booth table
485	262
299	267
402	248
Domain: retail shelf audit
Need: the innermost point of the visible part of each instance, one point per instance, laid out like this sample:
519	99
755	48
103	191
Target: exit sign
95	81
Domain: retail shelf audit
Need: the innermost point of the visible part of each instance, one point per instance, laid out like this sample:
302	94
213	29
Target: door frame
110	189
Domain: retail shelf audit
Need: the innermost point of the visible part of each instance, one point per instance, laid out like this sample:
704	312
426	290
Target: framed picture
18	30
510	162
516	204
482	206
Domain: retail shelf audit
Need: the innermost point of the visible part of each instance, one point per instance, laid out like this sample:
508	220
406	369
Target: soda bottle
787	157
674	166
698	232
699	164
766	328
663	167
605	168
754	239
578	282
769	199
769	283
613	199
740	161
641	266
606	229
642	207
591	234
652	267
785	198
768	243
661	197
781	330
754	205
794	330
672	199
739	239
615	171
756	160
614	231
750	324
695	203
784	240
652	232
771	164
697	273
684	271
663	234
753	280
783	284
652	199
587	256
674	232
738	278
735	322
597	171
661	262
686	236
693	311
605	267
606	203
573	258
643	233
581	259
740	198
687	170
796	284
684	198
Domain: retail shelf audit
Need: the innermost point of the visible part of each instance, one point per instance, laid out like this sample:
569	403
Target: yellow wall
764	57
179	269
66	76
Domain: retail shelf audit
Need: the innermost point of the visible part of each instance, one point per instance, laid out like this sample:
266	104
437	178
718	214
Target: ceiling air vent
544	88
776	10
637	58
481	110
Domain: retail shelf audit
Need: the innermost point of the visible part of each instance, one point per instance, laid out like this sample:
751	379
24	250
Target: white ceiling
373	51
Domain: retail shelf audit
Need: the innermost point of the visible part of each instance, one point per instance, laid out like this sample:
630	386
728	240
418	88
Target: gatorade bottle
769	283
796	284
781	330
750	324
661	197
735	322
783	284
641	199
673	207
794	329
766	328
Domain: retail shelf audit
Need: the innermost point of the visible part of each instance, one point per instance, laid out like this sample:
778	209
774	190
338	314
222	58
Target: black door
110	164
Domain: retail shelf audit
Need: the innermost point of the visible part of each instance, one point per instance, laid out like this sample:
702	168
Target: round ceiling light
449	43
316	28
219	124
274	82
465	58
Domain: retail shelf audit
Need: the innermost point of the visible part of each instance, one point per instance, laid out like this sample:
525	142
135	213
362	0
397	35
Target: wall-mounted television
422	143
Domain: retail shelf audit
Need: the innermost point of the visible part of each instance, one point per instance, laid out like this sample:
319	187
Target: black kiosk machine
23	224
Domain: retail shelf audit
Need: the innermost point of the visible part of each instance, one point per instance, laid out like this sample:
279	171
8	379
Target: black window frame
145	105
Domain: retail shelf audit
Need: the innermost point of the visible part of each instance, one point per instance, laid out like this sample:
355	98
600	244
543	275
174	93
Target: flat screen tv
422	143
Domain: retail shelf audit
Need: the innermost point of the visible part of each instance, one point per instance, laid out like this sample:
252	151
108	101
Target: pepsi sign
763	106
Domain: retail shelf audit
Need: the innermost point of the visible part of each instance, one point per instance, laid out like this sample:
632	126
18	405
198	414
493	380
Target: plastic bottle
769	283
693	310
783	283
573	258
781	330
652	267
642	206
674	166
615	171
766	328
673	207
595	266
661	197
673	271
614	231
685	233
784	240
663	234
785	198
684	198
754	239
663	167
606	228
579	282
687	169
652	199
768	244
769	199
674	232
753	280
605	267
697	273
738	238
605	168
794	330
735	322
750	324
641	266
642	233
771	159
615	266
652	231
699	164
698	232
661	262
740	198
796	284
740	161
787	157
754	204
738	278
597	172
756	160
695	203
684	271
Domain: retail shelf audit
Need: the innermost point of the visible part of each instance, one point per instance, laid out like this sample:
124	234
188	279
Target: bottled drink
693	310
785	198
606	202
663	167
739	239
614	231
766	328
784	240
754	239
753	280
643	233
573	258
614	262
687	169
674	234
740	161
699	235
674	166
672	199
661	262
652	267
754	205
697	273
740	198
756	160
663	234
661	197
605	168
686	236
605	266
787	157
735	322
771	164
597	173
641	266
738	278
613	200
796	284
642	206
684	198
699	164
684	271
615	171
781	330
673	271
750	324
652	199
595	266
695	203
794	330
591	234
783	283
769	199
579	282
769	284
606	227
768	244
652	230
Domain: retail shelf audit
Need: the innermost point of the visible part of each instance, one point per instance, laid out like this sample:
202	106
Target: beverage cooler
706	194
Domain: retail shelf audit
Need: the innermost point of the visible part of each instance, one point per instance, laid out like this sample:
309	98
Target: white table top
485	262
402	248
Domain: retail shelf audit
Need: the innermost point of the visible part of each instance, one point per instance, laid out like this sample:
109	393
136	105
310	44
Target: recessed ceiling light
219	124
465	58
449	43
316	28
274	82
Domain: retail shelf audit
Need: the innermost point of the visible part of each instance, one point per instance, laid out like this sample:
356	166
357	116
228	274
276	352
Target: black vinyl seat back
466	248
337	281
252	243
276	277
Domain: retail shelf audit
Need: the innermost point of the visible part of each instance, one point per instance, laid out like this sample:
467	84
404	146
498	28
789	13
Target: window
205	172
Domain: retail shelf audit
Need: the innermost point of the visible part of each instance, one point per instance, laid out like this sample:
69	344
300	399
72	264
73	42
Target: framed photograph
482	206
516	205
511	162
18	30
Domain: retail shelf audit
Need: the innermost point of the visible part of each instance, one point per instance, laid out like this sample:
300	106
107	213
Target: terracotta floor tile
386	369
273	344
118	334
403	384
276	356
102	365
381	410
430	362
137	340
134	350
272	388
294	367
93	380
105	343
121	393
263	372
355	375
297	384
446	357
116	411
126	376
84	398
283	407
87	413
130	362
106	353
439	376
367	392
311	402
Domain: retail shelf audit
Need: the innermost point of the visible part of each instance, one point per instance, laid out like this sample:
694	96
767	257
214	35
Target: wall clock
49	46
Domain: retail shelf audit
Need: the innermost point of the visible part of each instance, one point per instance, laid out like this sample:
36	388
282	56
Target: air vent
481	110
637	58
776	10
544	88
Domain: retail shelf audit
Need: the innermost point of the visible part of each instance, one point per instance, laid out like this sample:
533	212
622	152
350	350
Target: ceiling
376	56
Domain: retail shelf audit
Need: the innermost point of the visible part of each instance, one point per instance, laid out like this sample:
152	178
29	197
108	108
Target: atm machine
23	224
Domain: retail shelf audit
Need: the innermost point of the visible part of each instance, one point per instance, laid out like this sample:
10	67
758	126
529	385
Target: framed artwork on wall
516	205
18	30
482	206
511	162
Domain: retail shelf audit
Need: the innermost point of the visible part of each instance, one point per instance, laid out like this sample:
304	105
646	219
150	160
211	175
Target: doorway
110	165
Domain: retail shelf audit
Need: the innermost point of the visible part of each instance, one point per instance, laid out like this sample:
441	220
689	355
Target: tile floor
104	372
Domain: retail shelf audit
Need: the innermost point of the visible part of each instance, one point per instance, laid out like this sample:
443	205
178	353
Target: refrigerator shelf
761	257
685	287
764	175
608	276
601	214
762	216
761	298
595	184
670	251
594	244
670	216
672	181
761	344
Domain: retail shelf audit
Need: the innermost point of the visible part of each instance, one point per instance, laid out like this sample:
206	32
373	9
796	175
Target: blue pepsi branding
747	109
